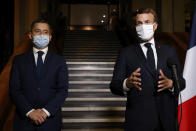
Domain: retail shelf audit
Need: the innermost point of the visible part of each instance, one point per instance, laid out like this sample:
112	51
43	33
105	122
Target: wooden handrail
7	108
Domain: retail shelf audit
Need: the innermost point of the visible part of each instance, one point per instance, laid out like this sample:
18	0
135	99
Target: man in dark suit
38	84
141	73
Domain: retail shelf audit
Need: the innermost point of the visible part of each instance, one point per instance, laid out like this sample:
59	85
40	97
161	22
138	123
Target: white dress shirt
35	50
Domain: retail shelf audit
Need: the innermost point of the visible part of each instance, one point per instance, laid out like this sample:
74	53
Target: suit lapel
140	53
159	57
32	66
142	59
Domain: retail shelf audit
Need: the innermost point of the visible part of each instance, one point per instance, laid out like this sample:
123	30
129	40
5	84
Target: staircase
90	105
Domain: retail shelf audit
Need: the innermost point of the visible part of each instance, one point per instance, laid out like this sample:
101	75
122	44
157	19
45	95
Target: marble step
88	86
91	51
91	60
90	71
100	99
72	120
87	54
94	103
88	109
94	129
92	48
93	125
91	94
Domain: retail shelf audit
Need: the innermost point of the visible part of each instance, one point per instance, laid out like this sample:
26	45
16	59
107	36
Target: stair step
81	43
90	71
100	44
90	57
91	51
87	39
89	68
79	78
87	113
90	75
92	125
88	86
88	63
66	54
89	82
94	103
88	90
97	99
95	129
91	48
93	120
90	94
91	60
93	109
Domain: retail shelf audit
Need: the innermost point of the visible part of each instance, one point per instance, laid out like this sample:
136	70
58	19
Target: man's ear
50	37
155	26
30	36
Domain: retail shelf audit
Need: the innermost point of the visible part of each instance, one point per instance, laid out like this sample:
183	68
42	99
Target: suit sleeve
22	105
182	81
61	90
119	75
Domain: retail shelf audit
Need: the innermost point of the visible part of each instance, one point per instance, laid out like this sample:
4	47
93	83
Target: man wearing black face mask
141	74
38	84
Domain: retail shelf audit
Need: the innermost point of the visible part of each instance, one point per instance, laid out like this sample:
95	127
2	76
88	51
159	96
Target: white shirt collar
151	41
35	50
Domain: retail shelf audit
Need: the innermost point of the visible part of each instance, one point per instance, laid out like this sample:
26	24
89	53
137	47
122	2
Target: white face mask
41	41
145	32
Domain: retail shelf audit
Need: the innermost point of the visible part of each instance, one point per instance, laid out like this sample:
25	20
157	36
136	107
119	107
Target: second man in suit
38	83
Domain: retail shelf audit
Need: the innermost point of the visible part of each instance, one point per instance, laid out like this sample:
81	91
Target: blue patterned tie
150	56
39	63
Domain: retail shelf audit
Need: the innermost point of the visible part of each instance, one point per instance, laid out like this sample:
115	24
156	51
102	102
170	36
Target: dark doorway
90	14
6	31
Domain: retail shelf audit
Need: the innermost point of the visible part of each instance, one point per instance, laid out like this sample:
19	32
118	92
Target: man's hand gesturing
134	80
164	83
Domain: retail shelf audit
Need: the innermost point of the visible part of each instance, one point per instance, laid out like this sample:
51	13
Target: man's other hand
164	83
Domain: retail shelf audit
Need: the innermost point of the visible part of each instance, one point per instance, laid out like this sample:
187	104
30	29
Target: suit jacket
144	109
28	92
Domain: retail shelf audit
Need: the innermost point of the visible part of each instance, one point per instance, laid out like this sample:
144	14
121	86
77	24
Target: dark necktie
150	56
39	63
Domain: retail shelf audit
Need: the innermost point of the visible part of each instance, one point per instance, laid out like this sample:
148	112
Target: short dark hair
40	21
145	11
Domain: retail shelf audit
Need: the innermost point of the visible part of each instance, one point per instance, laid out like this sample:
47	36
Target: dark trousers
159	127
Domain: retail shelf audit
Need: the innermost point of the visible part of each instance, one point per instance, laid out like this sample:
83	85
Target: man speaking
141	73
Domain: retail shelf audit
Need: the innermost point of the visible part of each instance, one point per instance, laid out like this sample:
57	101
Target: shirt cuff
125	88
27	114
47	113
